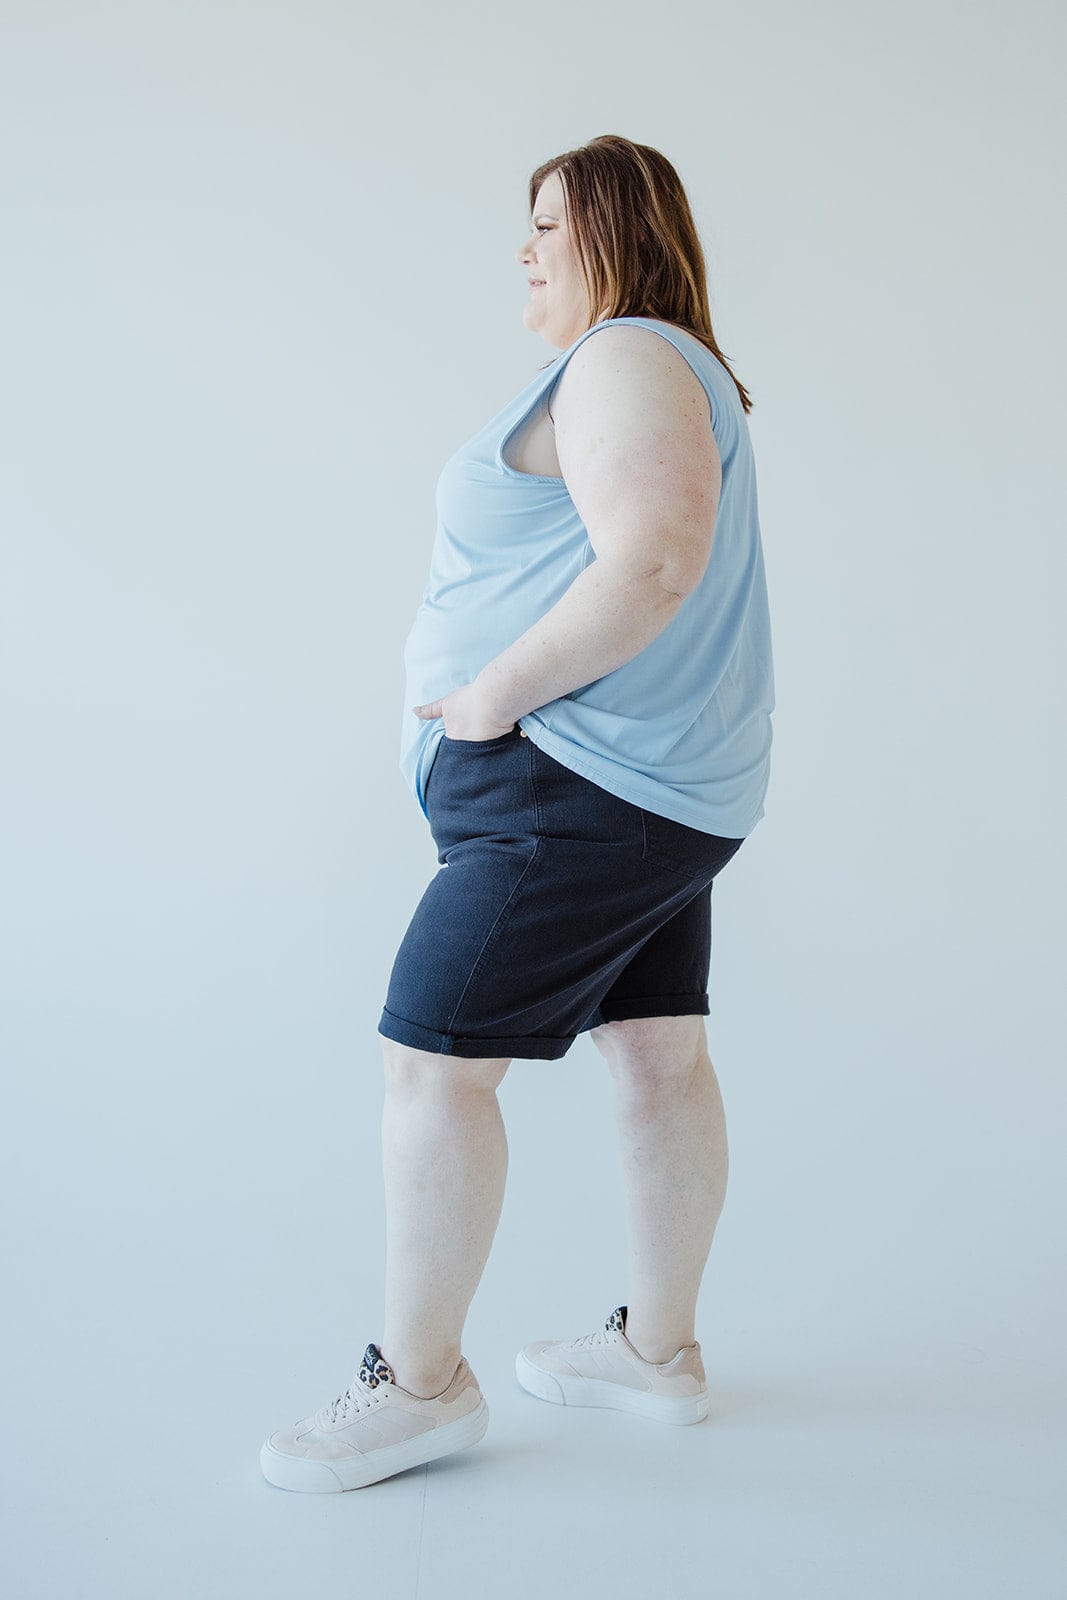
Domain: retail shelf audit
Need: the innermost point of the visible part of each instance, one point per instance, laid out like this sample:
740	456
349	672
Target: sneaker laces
360	1395
351	1401
600	1337
616	1323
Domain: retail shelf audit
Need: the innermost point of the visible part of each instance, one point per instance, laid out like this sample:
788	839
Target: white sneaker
604	1369
374	1430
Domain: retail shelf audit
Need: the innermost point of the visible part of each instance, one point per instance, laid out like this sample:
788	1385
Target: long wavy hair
635	238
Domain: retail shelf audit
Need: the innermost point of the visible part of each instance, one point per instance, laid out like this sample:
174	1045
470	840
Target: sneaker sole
334	1477
564	1391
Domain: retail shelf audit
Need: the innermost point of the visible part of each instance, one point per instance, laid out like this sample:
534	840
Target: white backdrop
259	280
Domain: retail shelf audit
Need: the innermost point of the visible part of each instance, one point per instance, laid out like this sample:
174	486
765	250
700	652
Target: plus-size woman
587	730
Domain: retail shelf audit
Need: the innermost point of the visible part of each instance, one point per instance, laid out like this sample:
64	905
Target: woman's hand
466	714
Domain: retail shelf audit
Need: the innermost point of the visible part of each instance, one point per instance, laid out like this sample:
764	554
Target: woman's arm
639	458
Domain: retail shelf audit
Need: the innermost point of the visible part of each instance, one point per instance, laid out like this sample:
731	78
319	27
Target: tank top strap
700	359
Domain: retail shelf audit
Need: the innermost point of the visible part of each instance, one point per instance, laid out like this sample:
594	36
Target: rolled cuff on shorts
533	1047
655	1005
539	1047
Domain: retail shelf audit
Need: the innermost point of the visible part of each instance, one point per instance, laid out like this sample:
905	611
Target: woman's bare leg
672	1143
444	1161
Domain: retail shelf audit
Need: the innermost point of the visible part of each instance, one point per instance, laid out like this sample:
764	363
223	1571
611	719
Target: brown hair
635	238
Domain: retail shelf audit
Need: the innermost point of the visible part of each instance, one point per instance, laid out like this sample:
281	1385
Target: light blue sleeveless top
684	727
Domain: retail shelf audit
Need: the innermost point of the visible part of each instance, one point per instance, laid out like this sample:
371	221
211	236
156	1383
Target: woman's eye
542	227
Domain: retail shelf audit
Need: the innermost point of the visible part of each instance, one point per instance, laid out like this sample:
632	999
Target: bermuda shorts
558	906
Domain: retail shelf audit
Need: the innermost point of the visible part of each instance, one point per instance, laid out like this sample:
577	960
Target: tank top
684	727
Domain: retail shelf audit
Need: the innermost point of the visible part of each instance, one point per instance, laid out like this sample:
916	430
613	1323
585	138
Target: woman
590	743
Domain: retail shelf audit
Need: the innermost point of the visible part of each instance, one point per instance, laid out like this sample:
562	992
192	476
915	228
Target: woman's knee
415	1071
651	1049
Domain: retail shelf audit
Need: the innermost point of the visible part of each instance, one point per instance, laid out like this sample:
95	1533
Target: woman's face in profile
557	306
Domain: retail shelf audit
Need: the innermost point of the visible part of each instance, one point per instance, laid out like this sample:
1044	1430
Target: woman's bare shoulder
629	358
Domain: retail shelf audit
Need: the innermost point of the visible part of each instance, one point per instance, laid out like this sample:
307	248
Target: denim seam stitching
654	857
490	936
531	773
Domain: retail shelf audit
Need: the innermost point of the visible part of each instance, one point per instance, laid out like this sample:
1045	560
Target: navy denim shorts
558	906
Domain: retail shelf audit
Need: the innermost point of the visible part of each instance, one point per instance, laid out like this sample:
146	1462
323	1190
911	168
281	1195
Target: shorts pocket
481	744
683	849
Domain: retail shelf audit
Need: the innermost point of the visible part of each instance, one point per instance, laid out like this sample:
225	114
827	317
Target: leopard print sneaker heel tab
374	1369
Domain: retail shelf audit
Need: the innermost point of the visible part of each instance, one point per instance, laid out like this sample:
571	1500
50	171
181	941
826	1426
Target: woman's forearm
605	619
